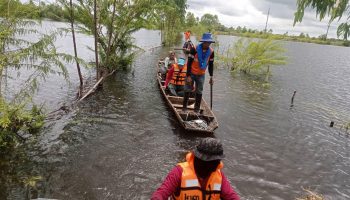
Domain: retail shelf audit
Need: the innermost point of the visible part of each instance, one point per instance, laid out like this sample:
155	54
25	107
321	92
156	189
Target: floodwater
121	142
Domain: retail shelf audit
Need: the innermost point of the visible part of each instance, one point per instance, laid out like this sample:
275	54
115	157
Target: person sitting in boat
200	177
188	45
175	80
166	64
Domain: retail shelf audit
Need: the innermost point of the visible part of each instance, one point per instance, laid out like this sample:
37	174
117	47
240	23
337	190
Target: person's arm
211	64
227	192
171	183
190	61
169	76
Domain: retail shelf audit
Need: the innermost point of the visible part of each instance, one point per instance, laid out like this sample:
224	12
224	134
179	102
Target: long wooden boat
205	122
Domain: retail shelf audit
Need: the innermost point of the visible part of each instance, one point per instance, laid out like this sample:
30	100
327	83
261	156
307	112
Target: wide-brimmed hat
207	38
209	149
181	61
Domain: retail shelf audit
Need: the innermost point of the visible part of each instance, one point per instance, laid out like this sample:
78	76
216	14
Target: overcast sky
253	13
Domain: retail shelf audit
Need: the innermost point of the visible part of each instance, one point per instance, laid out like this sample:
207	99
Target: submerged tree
255	56
169	15
117	20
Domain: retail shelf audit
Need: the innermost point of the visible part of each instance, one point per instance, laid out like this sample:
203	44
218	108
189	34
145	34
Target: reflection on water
121	142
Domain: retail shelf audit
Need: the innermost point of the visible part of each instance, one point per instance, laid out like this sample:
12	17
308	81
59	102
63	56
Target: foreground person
200	177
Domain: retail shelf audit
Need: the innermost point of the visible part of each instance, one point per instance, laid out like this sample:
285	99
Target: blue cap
207	38
181	61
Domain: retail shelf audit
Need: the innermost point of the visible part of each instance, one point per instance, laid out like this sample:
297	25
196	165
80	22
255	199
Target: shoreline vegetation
305	38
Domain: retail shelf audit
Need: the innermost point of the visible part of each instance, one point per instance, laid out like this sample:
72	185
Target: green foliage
255	55
332	8
169	15
15	118
344	30
190	20
210	21
14	8
198	30
40	55
117	20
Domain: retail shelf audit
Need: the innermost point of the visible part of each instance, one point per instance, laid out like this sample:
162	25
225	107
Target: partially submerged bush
255	56
15	119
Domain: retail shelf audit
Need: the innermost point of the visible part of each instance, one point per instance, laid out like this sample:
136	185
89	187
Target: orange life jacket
179	76
195	68
190	186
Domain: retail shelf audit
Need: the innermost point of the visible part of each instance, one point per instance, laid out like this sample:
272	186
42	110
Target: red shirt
172	184
169	76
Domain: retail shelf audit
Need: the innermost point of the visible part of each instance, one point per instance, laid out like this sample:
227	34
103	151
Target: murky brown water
121	142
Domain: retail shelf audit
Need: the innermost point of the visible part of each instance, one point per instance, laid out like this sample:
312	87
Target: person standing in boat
200	177
188	45
199	59
176	76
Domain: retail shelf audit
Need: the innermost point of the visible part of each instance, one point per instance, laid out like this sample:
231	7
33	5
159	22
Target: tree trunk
110	33
75	47
96	37
329	24
1	76
267	73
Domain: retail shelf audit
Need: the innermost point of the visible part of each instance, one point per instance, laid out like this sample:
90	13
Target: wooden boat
204	122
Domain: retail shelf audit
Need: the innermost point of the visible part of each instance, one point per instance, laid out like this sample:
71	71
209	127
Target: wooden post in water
292	100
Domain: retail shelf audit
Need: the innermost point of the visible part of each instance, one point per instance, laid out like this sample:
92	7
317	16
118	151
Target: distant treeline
30	10
302	37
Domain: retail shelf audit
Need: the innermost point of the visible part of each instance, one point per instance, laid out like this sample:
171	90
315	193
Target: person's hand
211	81
188	79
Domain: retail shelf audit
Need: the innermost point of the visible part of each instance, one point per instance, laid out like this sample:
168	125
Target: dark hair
205	168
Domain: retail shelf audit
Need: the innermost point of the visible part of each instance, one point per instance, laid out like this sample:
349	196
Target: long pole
96	47
211	96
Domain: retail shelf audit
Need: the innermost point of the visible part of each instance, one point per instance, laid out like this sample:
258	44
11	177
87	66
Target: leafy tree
210	21
117	20
190	20
331	8
169	17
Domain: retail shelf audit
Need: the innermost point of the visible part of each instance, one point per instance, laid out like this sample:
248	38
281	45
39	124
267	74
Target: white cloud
253	13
